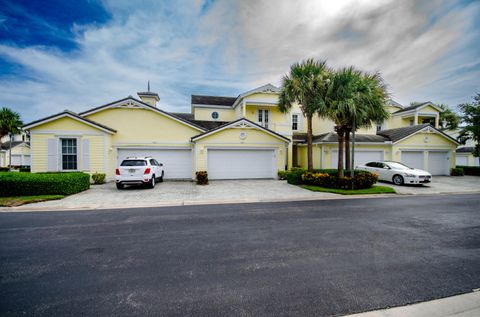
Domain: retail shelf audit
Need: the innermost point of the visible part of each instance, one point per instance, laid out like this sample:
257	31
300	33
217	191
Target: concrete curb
459	306
175	203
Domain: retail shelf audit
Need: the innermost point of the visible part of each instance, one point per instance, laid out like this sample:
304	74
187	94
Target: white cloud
235	46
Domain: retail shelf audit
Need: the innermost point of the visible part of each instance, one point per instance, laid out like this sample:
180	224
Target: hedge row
470	170
31	184
328	178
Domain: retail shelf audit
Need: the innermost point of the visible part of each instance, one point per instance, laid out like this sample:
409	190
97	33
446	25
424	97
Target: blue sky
57	55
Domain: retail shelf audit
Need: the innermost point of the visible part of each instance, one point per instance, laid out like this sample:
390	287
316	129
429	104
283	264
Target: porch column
437	121
244	109
415	120
290	155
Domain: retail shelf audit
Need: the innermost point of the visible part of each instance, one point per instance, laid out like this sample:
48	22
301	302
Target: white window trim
60	156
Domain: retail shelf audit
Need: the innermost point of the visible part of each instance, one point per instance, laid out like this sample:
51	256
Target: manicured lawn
372	190
21	200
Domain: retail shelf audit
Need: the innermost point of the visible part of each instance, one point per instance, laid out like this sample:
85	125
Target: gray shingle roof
213	100
412	107
397	134
332	137
183	115
465	149
6	145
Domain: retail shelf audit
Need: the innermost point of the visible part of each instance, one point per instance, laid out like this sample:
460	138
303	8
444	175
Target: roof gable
71	115
265	89
400	134
131	102
418	107
239	124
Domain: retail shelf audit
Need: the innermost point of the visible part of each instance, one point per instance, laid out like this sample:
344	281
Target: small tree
10	124
471	118
449	120
306	85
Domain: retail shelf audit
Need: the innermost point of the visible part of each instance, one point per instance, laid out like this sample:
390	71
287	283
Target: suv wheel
161	178
151	184
120	186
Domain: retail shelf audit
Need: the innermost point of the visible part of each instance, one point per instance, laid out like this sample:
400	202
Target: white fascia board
62	115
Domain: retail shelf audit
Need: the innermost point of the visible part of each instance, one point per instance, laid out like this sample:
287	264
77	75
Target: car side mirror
386	167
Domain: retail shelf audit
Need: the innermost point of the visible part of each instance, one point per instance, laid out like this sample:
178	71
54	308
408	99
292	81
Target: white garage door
438	163
26	160
412	159
461	160
177	164
16	160
361	157
236	164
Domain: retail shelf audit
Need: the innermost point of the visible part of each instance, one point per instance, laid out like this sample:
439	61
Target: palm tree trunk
341	139
347	149
309	143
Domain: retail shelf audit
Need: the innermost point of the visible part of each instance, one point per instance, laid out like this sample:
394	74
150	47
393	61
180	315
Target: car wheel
152	182
398	180
161	178
120	186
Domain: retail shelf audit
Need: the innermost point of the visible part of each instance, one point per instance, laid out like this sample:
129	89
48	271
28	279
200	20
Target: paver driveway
442	185
171	193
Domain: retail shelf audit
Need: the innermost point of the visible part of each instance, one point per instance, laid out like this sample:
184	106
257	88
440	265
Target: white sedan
397	173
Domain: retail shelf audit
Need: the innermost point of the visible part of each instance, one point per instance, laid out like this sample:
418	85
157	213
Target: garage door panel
438	163
412	159
177	164
16	160
361	157
238	164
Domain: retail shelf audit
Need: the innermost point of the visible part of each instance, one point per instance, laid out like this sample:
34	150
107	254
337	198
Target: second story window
379	126
263	118
294	122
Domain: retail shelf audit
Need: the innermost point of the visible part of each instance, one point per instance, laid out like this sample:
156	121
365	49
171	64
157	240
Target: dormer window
214	115
263	118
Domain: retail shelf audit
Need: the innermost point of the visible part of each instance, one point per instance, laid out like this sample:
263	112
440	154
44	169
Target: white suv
139	170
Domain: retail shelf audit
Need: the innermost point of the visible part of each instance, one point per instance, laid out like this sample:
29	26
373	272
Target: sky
76	55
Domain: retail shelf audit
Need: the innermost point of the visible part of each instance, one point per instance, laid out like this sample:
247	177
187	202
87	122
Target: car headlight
409	175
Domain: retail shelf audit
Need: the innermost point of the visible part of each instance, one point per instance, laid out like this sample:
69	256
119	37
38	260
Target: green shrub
457	171
4	169
294	176
471	170
98	178
361	180
202	178
282	175
30	184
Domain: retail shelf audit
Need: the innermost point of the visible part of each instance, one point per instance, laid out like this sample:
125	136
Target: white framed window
379	126
69	154
263	117
295	122
214	115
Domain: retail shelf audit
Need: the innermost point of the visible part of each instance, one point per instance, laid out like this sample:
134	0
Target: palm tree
10	124
306	85
354	99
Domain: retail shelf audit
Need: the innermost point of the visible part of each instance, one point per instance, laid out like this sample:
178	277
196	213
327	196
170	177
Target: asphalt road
308	258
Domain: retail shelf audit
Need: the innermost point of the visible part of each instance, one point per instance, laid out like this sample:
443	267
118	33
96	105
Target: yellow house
229	137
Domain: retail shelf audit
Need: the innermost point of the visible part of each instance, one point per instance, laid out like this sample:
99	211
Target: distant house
20	147
464	155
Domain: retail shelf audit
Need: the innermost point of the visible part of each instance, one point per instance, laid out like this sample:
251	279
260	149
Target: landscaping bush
202	178
282	175
30	184
471	170
4	169
457	171
361	180
98	178
294	176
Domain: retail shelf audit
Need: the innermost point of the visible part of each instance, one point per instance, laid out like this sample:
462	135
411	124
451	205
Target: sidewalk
465	305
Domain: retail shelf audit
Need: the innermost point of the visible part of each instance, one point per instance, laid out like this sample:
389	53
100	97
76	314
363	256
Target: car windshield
398	166
134	163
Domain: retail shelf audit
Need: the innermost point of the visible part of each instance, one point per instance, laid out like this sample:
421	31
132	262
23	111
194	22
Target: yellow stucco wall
230	138
425	142
206	114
